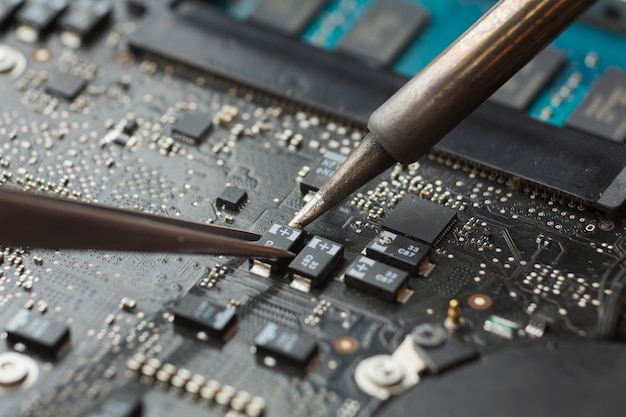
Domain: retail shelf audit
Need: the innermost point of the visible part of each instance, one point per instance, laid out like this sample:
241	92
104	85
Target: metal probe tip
364	164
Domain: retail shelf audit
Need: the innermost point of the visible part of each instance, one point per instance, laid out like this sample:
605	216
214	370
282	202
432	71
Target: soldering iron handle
467	73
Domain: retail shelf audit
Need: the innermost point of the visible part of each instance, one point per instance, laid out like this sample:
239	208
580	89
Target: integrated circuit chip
38	333
232	198
322	172
64	85
399	251
378	279
384	32
123	402
520	91
281	237
289	17
420	219
192	127
278	344
197	313
315	263
603	110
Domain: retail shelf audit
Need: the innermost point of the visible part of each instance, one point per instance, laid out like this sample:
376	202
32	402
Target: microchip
399	251
41	14
39	333
192	127
420	219
123	402
322	172
286	346
314	264
281	237
603	110
520	91
199	314
378	279
66	86
86	16
232	198
7	9
384	32
289	17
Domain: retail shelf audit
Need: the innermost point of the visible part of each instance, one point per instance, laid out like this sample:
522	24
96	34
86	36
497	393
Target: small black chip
399	251
39	333
384	32
124	402
199	314
41	14
603	110
520	91
232	198
322	172
86	16
285	346
281	237
7	9
420	219
192	127
66	86
289	17
315	263
378	279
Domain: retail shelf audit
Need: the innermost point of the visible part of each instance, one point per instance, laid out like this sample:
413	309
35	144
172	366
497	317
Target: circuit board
486	278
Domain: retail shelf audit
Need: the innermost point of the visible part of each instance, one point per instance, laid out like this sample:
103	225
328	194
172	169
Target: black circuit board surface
103	123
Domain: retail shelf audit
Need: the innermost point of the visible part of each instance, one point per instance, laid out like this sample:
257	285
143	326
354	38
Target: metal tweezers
37	220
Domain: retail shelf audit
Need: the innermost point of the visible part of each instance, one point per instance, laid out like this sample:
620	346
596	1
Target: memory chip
232	198
314	264
384	32
123	402
603	110
66	86
199	314
278	344
322	172
420	219
520	91
192	127
289	17
378	279
398	251
38	333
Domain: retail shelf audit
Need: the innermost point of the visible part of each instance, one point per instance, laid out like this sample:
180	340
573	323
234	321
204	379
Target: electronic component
384	31
123	402
232	198
281	237
289	17
199	314
501	326
420	219
442	357
521	89
39	333
83	19
378	279
277	344
7	10
603	110
38	17
64	85
192	127
322	172
315	263
398	251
